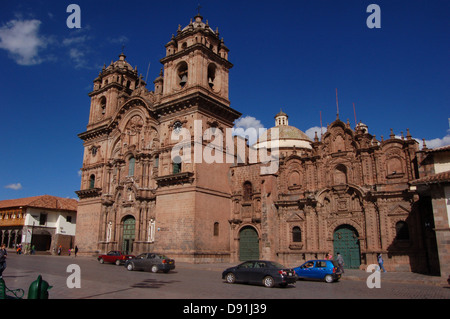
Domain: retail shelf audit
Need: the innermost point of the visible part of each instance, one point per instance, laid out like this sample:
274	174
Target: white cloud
311	132
248	127
118	40
15	187
437	142
78	57
22	41
75	40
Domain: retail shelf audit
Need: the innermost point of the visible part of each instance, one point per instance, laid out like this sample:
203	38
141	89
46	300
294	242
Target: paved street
189	281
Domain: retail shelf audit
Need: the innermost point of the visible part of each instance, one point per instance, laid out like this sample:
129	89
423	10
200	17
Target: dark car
114	257
150	261
327	270
264	272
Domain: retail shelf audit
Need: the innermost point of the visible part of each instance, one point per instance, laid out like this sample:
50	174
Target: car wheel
268	282
230	278
118	262
329	278
101	261
130	267
154	268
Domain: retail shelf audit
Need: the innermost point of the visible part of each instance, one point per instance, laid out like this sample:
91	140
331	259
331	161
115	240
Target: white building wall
55	219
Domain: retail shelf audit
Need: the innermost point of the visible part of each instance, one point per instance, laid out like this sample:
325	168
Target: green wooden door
129	227
248	244
346	243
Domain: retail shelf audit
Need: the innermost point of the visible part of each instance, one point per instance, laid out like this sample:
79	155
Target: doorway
128	233
248	244
346	242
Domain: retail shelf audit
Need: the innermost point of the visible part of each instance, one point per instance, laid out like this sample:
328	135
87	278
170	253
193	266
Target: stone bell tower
196	61
193	203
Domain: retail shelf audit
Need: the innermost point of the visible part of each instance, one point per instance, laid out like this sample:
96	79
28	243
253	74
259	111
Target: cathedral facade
343	191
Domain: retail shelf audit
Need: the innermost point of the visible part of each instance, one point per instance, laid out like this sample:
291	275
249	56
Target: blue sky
286	54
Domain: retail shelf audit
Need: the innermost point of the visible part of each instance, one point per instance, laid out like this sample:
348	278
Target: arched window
182	72
211	75
216	229
402	231
103	105
131	164
91	181
340	175
296	234
176	165
294	179
248	191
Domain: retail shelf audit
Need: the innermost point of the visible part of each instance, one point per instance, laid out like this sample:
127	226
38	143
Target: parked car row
265	272
269	273
153	262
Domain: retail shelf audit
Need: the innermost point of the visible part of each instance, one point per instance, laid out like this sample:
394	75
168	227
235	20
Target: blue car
319	269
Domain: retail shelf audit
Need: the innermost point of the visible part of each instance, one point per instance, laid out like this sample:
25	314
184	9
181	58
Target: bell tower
114	82
196	61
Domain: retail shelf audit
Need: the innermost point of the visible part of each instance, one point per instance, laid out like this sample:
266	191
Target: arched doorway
248	244
346	242
128	232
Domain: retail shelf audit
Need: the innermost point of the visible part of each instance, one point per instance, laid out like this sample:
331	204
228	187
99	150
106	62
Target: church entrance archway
346	242
128	233
248	244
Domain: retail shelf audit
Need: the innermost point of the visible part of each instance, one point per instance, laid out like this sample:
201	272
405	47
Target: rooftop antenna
337	105
148	69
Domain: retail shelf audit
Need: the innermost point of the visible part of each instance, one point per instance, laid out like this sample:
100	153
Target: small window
248	191
296	234
216	229
92	181
177	165
69	219
42	219
131	164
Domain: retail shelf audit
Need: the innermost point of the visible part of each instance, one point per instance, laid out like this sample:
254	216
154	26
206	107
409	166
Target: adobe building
434	190
45	222
344	192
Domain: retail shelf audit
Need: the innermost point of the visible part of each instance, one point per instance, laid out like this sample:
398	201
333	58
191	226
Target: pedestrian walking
3	254
76	250
380	262
340	261
59	250
329	256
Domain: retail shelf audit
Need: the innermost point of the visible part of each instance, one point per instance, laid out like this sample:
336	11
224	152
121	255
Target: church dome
120	64
288	136
198	24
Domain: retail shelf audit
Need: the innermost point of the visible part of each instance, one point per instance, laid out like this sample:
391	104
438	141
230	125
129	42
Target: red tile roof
439	149
433	179
43	201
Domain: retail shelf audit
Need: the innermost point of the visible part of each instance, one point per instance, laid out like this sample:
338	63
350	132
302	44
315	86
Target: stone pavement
351	274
